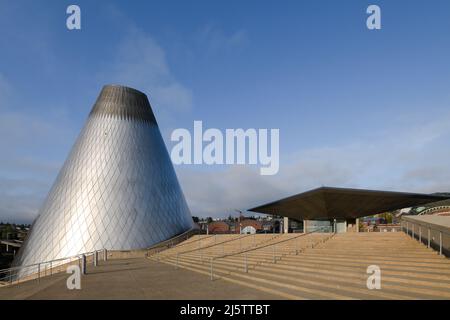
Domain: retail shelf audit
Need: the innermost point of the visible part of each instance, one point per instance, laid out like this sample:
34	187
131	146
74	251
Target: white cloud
27	165
35	144
213	40
141	63
413	158
20	199
31	140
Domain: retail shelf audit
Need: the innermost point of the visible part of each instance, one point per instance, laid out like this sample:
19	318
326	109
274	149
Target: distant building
251	226
242	226
218	227
340	209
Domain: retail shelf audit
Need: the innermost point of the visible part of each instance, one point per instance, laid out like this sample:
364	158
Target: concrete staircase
318	265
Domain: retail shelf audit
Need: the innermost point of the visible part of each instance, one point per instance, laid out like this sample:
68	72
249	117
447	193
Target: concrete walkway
134	279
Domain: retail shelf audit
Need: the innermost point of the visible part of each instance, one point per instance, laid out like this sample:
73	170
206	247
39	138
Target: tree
196	219
8	232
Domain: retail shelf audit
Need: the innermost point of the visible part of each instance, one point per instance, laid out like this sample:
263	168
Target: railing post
176	266
10	276
273	253
211	268
39	272
83	264
420	234
246	266
429	237
440	243
407	228
105	254
51	270
95	258
412	231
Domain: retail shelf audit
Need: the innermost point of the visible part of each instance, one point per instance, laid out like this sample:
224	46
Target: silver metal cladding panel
117	189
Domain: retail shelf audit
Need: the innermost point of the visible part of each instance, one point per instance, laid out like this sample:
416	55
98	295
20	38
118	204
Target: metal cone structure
117	189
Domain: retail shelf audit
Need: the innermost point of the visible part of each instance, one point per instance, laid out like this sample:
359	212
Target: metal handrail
426	226
49	262
268	245
195	241
432	209
169	243
246	250
212	259
39	263
212	245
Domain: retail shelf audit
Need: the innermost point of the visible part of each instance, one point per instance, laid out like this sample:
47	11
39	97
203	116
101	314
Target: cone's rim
123	102
122	87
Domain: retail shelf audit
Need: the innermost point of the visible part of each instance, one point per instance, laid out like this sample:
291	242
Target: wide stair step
317	266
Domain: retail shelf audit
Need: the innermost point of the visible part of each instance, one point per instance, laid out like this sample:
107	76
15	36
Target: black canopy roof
342	203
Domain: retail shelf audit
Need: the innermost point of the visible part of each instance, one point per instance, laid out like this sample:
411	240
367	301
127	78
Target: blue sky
355	108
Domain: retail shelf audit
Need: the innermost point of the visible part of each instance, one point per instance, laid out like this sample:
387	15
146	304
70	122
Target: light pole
239	219
7	239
